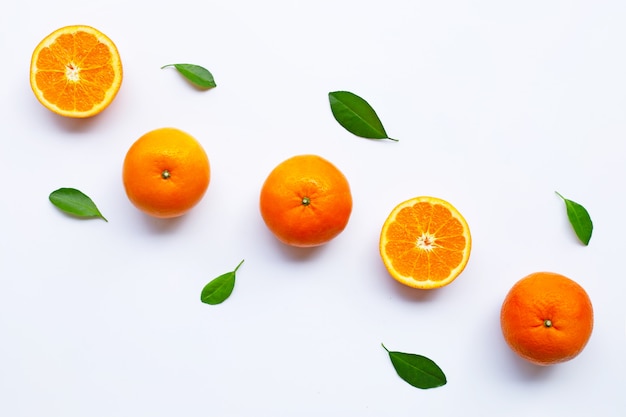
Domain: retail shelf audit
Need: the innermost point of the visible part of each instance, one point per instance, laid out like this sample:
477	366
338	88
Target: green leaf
220	288
195	74
579	219
417	370
356	115
72	201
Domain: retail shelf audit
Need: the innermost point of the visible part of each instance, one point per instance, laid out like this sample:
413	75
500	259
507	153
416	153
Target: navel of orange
425	243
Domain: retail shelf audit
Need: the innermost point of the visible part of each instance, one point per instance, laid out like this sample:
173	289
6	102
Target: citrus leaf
73	201
356	115
417	370
220	288
579	219
196	74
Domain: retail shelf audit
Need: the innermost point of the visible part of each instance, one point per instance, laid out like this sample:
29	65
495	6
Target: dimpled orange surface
166	172
547	318
306	201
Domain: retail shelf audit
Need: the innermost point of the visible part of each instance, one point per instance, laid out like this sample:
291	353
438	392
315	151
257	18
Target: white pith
426	241
72	72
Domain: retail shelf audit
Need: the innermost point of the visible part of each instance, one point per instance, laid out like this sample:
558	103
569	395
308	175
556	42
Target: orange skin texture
182	157
534	300
283	201
76	71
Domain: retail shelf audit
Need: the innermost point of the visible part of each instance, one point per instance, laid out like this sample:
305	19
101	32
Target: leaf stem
385	347
235	270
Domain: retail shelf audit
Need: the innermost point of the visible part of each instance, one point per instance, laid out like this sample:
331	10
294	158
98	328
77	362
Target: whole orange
306	201
546	318
166	172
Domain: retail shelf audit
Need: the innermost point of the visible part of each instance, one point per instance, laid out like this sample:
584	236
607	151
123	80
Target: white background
496	104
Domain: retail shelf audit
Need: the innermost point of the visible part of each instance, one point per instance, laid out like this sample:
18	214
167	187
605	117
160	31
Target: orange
425	243
306	201
76	71
546	318
166	172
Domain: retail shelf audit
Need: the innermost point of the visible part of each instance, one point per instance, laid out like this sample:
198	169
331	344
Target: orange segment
76	71
425	243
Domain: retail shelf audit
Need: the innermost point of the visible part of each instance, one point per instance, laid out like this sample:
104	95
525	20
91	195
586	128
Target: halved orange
76	71
425	243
